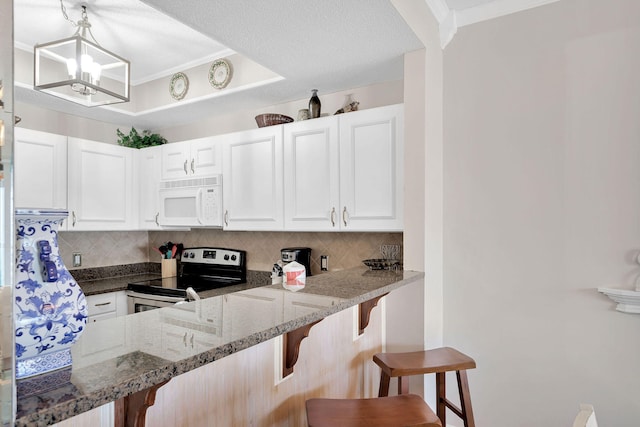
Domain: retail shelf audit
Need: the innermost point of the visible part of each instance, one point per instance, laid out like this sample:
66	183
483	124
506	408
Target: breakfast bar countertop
120	356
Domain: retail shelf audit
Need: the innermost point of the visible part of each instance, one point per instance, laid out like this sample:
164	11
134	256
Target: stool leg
465	399
403	385
384	385
441	397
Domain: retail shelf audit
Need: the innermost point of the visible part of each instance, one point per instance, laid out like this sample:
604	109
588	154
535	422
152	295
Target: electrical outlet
324	263
77	259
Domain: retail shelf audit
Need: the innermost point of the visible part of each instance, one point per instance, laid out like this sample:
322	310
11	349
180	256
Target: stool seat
423	362
394	411
437	361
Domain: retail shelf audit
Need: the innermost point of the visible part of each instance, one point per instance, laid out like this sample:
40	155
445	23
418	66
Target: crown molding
496	9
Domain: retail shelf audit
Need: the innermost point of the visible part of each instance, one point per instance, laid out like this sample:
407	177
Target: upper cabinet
335	173
198	157
311	175
40	170
371	175
148	161
252	188
101	186
344	173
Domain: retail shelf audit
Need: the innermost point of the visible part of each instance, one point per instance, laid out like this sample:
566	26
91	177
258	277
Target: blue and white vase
50	308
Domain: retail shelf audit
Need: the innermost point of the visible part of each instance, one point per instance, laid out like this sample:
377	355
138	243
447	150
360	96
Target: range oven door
138	302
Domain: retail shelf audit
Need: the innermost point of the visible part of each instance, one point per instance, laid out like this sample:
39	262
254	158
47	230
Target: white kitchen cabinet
344	172
252	187
311	175
101	186
197	157
106	306
371	183
40	160
149	161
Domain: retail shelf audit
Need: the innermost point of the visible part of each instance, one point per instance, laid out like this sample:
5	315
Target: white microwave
194	202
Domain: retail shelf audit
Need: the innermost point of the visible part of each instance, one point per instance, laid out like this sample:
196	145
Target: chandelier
80	70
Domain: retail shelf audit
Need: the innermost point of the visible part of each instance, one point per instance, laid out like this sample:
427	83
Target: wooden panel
239	390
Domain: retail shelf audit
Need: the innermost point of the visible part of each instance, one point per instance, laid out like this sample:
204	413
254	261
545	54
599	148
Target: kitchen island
132	354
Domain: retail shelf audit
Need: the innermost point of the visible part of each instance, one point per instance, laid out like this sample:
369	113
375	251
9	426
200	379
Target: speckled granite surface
120	356
111	279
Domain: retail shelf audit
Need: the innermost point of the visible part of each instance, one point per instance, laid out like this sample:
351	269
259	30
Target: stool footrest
453	407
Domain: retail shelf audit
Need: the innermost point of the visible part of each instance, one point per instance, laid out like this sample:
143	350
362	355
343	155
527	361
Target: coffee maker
300	255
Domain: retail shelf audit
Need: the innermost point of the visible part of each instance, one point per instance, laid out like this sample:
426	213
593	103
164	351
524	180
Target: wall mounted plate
179	86
220	73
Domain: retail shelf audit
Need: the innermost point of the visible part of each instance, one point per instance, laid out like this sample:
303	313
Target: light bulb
96	71
72	67
86	63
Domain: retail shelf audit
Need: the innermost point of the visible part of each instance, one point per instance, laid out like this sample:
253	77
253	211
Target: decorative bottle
314	105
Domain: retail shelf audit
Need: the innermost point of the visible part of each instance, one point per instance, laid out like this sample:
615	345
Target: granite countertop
120	356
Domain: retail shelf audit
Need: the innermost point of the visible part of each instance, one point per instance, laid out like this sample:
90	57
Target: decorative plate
381	264
179	86
220	73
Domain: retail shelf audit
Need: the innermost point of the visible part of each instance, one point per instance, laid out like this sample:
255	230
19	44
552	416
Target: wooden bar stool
438	361
394	411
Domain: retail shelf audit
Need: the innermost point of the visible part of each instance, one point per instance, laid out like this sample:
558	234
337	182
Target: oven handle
135	294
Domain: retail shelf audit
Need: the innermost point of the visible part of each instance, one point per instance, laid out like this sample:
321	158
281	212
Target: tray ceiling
332	45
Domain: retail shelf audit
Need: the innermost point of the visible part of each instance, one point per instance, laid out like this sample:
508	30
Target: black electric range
201	269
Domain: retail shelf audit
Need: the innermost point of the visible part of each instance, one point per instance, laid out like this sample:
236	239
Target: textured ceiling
332	45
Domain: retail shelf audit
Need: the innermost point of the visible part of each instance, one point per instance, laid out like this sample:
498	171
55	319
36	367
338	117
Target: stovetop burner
201	269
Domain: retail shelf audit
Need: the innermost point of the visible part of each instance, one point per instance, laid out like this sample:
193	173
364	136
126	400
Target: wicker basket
271	119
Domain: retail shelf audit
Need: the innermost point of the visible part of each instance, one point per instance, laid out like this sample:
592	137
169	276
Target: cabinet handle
186	172
226	217
345	216
184	339
157	215
193	166
103	304
333	216
191	340
73	218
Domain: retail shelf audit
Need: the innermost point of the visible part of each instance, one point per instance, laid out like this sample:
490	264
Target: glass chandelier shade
81	71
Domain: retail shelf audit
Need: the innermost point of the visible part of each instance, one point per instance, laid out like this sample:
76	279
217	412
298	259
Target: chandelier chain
64	13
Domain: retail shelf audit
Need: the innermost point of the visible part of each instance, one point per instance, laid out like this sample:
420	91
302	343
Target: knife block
169	268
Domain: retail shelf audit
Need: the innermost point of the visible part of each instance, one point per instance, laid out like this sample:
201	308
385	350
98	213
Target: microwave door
178	207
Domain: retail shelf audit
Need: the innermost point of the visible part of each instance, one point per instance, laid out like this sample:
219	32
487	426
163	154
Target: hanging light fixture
80	70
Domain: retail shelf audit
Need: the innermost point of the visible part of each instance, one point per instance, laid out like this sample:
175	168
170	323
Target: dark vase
314	105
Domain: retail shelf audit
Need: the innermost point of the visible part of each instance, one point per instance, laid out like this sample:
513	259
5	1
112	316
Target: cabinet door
148	169
175	160
205	157
311	175
40	170
252	184
371	184
198	157
101	186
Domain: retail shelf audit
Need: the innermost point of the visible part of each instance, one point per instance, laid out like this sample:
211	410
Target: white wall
542	206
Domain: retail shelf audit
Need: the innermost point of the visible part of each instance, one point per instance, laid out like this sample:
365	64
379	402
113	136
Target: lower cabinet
106	306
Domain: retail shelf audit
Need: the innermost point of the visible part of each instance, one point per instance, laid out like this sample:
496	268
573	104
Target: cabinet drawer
101	303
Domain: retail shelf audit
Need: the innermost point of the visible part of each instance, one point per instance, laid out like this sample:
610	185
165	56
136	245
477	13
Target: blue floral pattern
49	316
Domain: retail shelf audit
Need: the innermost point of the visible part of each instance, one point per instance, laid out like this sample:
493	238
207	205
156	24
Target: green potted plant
137	140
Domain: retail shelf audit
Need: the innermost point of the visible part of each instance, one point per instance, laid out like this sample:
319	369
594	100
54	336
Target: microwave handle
199	206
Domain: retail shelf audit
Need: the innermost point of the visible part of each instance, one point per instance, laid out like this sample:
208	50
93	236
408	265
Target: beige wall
542	206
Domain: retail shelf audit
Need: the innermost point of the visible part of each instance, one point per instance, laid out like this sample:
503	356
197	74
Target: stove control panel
213	256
